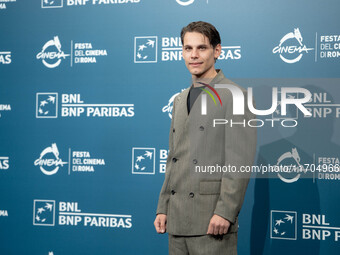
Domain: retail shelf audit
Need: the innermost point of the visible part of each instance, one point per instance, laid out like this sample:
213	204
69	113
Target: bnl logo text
238	100
316	227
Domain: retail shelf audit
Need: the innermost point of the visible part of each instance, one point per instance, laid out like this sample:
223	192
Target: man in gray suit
204	186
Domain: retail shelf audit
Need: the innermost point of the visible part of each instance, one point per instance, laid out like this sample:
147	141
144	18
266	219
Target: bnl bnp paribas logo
50	213
146	50
47	105
4	163
144	160
5	57
72	105
44	212
283	225
291	49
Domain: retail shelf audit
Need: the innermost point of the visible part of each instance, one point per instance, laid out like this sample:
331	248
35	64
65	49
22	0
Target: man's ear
217	51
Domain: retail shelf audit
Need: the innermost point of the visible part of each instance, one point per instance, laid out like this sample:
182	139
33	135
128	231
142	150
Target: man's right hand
160	223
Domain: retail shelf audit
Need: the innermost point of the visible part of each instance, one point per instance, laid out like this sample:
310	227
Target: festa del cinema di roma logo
291	48
294	159
51	53
48	164
49	161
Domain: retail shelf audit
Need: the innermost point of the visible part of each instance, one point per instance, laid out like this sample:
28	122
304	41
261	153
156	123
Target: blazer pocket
210	187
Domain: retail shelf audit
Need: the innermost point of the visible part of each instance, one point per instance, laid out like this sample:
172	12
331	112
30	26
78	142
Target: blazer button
173	130
173	192
174	160
201	128
191	194
195	161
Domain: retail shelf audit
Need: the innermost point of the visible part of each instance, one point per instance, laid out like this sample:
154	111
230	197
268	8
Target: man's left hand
218	225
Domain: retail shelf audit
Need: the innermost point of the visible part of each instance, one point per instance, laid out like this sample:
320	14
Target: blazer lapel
181	114
181	107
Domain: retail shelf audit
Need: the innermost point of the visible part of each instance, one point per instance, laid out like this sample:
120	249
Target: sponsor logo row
284	225
60	3
148	160
72	105
51	160
64	3
288	103
152	49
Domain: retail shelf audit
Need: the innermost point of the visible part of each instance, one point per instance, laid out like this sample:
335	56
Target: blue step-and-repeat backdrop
85	108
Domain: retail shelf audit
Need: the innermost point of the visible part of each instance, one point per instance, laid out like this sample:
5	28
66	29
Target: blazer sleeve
240	149
164	195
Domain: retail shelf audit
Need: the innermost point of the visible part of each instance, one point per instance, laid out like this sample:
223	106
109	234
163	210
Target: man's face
199	55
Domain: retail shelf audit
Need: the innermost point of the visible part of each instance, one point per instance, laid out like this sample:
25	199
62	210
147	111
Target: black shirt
194	92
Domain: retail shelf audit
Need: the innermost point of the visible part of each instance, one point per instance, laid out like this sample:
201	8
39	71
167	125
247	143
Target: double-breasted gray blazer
190	195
